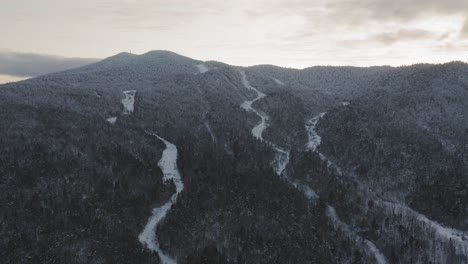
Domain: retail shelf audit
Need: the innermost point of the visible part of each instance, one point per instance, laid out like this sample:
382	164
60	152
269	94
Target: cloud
33	64
464	31
8	78
402	35
401	10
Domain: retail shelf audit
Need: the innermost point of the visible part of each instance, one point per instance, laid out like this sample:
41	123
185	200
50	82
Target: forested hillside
385	182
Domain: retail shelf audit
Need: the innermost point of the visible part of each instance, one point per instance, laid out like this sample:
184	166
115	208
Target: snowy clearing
112	120
129	102
168	165
202	68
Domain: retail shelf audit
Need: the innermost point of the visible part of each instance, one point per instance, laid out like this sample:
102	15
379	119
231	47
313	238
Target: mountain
159	158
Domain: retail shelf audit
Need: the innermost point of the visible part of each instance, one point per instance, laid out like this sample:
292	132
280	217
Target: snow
444	234
129	101
281	159
314	138
257	131
345	103
367	245
379	257
168	165
202	68
112	120
208	127
306	190
279	82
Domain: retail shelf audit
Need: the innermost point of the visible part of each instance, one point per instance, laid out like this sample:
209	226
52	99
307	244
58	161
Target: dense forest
390	174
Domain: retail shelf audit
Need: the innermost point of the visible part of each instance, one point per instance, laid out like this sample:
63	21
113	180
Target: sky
39	37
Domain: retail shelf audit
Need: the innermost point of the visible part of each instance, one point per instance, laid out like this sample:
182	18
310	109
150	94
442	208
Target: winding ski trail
312	145
315	140
281	156
168	165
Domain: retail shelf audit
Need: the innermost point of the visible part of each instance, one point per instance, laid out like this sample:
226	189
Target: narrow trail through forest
168	165
282	156
366	245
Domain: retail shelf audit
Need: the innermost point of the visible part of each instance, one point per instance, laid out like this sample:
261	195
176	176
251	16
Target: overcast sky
292	33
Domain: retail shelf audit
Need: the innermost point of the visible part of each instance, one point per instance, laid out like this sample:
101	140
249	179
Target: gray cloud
464	31
33	64
402	35
362	10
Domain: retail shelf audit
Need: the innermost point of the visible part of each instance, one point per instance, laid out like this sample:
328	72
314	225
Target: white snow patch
129	101
279	82
308	192
281	158
208	127
314	138
112	120
345	103
168	165
202	68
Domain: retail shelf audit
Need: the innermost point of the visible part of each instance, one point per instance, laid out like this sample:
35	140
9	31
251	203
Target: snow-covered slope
129	102
368	247
257	131
202	68
282	156
168	165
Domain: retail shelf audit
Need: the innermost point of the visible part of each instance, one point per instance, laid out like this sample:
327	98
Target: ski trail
205	113
168	165
278	82
446	235
257	131
315	140
312	145
129	101
281	156
442	235
208	127
202	68
369	248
